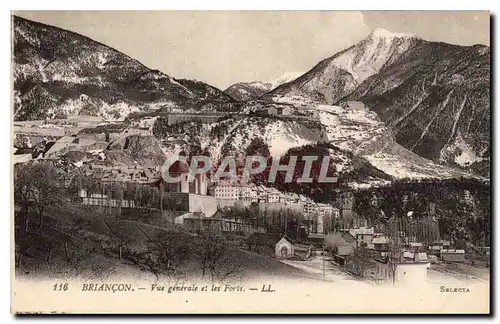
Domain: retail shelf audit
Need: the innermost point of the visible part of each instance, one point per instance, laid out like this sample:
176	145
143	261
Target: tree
394	246
121	234
118	195
77	257
169	250
360	258
37	185
77	183
215	256
23	195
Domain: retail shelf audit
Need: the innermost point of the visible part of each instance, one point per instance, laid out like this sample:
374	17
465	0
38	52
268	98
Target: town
289	227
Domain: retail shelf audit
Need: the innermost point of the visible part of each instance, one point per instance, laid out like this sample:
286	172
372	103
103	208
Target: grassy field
78	241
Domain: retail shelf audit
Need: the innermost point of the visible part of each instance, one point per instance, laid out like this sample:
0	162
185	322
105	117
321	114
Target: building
227	190
410	269
325	212
264	243
68	143
103	200
354	105
310	207
245	192
284	111
249	193
317	240
415	247
285	248
195	184
452	255
346	245
325	209
179	220
273	195
262	196
380	242
84	118
364	236
267	111
436	247
179	170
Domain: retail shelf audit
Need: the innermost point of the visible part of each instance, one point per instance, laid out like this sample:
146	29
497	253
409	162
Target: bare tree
36	187
168	251
118	195
394	246
76	254
23	244
23	195
214	255
360	258
46	188
121	235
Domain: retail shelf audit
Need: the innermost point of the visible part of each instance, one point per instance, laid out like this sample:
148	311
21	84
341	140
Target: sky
225	47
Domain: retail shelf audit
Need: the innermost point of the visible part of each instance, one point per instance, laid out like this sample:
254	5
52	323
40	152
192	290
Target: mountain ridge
391	83
252	90
335	77
68	73
374	85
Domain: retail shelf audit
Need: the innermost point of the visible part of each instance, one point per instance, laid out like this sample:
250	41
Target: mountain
433	97
354	132
244	91
339	75
57	72
268	137
436	100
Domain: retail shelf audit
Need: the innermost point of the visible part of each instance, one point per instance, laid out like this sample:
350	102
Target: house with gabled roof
348	244
278	245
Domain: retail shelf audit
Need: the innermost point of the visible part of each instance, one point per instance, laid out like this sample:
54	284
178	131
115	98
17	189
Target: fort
207	118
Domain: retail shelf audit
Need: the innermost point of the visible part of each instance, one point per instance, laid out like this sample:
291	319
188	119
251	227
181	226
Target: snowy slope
353	129
436	101
433	97
245	91
57	72
279	135
356	129
284	78
337	76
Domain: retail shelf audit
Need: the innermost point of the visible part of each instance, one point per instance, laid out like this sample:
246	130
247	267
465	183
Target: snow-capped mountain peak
384	33
337	76
244	91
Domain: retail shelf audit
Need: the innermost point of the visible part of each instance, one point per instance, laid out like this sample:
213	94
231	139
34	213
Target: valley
404	123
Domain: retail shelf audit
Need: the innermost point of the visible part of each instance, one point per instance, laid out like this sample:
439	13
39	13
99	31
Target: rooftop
268	239
452	251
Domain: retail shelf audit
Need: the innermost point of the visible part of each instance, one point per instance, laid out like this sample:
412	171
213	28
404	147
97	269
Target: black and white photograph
251	162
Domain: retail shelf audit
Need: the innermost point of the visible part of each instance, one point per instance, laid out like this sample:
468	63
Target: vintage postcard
249	162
